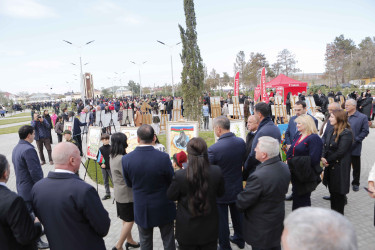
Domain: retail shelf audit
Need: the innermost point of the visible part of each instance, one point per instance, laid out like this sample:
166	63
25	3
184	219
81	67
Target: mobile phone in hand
368	190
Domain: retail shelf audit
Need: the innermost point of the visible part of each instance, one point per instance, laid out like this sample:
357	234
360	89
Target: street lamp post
139	72
83	87
120	80
170	50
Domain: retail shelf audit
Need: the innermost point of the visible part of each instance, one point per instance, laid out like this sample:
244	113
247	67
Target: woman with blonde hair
336	159
304	161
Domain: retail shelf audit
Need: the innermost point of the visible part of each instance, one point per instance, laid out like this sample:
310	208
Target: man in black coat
17	229
228	153
262	200
252	126
70	209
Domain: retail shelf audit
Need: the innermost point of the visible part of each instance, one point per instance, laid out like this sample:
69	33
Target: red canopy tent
288	84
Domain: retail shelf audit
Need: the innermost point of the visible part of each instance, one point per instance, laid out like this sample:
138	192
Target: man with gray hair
262	200
313	228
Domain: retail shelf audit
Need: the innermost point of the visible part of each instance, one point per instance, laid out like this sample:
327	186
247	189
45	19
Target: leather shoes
241	245
127	245
289	197
327	197
41	244
106	197
355	188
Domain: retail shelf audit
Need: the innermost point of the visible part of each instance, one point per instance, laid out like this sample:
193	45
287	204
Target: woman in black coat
336	158
196	188
48	118
365	105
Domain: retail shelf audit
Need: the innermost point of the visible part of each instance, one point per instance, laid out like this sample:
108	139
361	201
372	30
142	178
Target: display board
215	106
93	142
179	134
237	127
310	105
131	134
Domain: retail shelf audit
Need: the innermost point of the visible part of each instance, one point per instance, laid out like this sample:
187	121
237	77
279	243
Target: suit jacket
149	173
26	167
337	174
17	229
262	202
123	194
76	127
201	229
228	153
42	129
71	212
291	131
359	124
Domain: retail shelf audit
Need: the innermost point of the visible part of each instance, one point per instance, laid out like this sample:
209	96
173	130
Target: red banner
280	91
256	93
263	90
237	84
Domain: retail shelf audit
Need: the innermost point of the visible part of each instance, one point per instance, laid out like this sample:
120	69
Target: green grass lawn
10	130
25	113
208	136
10	121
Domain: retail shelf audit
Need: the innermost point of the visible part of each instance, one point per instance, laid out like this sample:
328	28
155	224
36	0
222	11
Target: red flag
263	91
256	93
236	84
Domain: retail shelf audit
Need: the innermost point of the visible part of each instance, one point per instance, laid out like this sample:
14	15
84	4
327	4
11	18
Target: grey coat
123	193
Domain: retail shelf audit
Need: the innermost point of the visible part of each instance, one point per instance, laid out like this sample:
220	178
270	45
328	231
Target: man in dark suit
17	229
228	153
70	209
291	131
266	128
262	200
77	130
252	126
27	169
149	173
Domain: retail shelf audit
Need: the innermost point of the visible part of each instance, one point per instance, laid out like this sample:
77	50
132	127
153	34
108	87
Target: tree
134	87
363	63
256	62
287	62
240	66
212	81
192	75
226	77
105	92
338	58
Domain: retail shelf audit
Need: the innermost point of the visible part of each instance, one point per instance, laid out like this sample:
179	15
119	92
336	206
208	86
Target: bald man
70	209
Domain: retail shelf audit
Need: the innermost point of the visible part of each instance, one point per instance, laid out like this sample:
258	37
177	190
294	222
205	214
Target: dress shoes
289	197
42	163
355	188
327	197
41	244
106	197
241	245
128	245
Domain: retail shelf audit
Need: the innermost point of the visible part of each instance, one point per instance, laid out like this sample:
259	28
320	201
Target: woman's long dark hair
118	144
197	177
341	122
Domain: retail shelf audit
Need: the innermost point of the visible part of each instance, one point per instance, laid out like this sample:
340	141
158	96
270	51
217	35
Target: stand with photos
132	138
293	99
176	111
146	115
215	107
163	122
179	134
92	151
236	108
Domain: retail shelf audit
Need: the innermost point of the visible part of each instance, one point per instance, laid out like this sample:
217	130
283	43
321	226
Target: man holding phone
42	127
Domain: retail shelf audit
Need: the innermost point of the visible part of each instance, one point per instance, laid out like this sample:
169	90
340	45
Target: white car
371	85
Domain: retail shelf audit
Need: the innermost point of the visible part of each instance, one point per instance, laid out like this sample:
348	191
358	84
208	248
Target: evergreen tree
192	75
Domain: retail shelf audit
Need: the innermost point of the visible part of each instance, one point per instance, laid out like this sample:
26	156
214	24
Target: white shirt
3	184
371	176
63	171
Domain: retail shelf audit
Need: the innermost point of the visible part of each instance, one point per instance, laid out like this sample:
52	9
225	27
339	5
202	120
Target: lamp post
83	87
170	51
139	72
120	79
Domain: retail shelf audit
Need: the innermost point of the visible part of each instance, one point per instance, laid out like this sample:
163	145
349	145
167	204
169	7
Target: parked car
345	85
371	85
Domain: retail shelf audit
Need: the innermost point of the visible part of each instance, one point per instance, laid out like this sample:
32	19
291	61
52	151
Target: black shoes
127	245
241	245
41	244
327	197
289	197
355	188
106	197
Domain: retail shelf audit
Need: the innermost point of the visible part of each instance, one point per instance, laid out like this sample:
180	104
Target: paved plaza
360	208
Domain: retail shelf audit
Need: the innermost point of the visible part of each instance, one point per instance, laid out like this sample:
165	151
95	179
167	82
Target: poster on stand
179	134
93	142
131	134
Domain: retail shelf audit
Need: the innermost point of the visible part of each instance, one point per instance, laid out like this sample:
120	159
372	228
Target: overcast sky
34	58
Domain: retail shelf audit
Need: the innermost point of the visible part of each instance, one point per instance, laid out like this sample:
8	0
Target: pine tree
192	75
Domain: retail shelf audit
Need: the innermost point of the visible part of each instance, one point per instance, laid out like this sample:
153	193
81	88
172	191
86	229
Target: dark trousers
205	119
78	139
224	225
47	143
300	200
356	164
208	246
271	248
167	235
106	175
338	202
59	138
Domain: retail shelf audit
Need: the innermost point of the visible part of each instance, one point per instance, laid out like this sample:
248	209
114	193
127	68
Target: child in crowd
103	159
179	161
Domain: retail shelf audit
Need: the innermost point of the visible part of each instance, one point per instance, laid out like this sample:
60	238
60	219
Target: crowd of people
189	199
